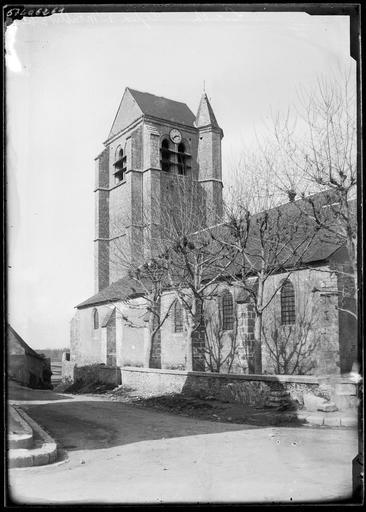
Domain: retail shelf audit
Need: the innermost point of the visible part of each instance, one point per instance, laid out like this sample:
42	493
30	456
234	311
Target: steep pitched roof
135	104
18	339
205	115
158	106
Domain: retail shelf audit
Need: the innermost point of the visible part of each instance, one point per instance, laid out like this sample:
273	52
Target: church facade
153	143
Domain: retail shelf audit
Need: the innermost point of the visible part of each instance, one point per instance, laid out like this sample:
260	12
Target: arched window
120	165
181	159
165	155
288	304
227	311
95	319
178	317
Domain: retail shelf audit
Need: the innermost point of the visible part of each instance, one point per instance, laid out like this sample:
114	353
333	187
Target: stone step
328	407
20	434
43	449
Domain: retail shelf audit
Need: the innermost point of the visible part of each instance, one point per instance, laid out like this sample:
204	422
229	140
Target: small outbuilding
25	365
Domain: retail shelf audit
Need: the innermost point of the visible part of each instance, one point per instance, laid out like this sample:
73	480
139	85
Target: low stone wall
246	389
97	373
153	381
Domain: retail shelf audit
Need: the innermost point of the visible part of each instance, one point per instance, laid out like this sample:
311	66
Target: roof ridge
156	96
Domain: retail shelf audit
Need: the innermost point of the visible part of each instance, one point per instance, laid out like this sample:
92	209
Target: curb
46	454
327	420
18	441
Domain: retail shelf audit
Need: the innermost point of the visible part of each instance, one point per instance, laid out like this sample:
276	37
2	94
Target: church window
95	319
178	317
181	159
227	311
120	166
165	155
288	304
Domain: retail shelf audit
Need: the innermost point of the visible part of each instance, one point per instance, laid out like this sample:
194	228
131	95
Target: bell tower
153	154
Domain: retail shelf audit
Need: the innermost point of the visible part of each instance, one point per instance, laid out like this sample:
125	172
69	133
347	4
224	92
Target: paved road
119	453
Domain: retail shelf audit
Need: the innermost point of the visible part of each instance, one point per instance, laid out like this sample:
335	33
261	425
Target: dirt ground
205	408
120	452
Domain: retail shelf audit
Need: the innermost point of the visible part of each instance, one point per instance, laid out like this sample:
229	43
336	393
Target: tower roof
205	115
158	106
135	104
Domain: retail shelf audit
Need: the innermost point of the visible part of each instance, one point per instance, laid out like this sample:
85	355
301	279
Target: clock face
175	136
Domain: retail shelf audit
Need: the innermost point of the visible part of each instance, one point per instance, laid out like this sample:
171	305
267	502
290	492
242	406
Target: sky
65	77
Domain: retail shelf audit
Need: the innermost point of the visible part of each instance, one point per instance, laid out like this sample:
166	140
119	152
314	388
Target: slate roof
122	289
158	106
321	248
294	221
205	114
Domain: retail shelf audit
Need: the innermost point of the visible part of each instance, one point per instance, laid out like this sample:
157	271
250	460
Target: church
153	142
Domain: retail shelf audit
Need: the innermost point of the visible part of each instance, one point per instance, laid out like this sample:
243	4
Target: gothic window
181	159
95	319
288	304
178	317
165	155
120	166
227	311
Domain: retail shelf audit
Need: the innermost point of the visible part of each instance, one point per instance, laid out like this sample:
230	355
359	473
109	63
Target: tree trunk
189	347
257	349
190	316
154	322
147	358
257	355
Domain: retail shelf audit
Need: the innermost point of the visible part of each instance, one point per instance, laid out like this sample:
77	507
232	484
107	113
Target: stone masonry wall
346	310
317	320
246	389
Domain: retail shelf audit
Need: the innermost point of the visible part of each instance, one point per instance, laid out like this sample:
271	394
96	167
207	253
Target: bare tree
312	151
182	257
292	348
262	241
221	346
149	276
317	152
194	260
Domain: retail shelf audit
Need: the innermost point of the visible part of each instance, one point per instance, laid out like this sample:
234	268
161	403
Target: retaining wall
247	389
